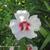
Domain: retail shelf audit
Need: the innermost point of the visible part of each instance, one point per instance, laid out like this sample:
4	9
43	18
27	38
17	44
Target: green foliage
40	7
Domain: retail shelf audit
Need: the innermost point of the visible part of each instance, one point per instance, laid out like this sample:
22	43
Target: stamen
24	26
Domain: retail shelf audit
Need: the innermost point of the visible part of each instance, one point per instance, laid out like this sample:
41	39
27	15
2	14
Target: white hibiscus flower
11	48
31	47
23	26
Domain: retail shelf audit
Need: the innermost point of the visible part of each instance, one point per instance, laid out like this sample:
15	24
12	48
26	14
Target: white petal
14	26
19	35
27	34
22	18
31	35
35	48
35	23
21	13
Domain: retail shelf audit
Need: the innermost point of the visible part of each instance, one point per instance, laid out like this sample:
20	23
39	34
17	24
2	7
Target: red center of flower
29	48
24	25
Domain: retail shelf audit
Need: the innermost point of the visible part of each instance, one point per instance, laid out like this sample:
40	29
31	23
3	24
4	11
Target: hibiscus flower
31	47
24	25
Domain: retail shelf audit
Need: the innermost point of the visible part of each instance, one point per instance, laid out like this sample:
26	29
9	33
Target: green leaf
45	42
43	32
47	6
23	44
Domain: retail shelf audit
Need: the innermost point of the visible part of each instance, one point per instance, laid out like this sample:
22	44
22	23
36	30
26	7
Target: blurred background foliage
39	7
